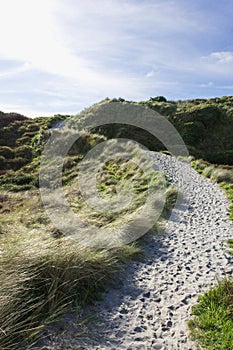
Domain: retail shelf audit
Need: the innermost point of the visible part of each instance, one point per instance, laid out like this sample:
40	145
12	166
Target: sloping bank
150	306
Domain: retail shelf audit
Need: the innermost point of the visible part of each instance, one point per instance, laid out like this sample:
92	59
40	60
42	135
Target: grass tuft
213	318
41	278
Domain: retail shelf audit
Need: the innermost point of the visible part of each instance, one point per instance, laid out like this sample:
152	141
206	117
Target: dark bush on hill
3	163
17	163
7	118
24	152
7	152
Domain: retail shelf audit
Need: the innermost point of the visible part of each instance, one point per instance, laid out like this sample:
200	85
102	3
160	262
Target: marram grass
40	278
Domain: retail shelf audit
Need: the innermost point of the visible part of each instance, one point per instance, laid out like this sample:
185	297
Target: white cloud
222	57
150	74
84	51
81	40
209	84
218	63
29	32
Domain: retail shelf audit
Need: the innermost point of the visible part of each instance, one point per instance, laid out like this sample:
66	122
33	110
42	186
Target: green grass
41	278
228	188
230	242
42	272
212	323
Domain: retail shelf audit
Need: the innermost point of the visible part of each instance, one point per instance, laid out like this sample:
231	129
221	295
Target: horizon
60	58
86	107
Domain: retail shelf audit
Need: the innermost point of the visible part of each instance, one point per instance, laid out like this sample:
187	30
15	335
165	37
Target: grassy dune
42	271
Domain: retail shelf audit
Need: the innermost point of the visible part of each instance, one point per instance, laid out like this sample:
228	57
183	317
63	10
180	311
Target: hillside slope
150	307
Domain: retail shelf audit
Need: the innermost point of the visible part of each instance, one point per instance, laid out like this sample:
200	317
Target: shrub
23	140
171	197
204	113
24	152
19	180
207	172
84	143
6	152
3	162
164	108
158	99
220	157
29	127
222	175
199	165
193	132
17	163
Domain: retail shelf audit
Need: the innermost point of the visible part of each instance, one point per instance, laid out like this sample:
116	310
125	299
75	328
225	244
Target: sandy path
149	308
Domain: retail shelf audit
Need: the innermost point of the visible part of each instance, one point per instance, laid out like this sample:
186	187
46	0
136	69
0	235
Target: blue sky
61	56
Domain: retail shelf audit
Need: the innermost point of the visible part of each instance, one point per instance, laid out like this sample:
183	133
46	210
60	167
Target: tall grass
43	272
40	278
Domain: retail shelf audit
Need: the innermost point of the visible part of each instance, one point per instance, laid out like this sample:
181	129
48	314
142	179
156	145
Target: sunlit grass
41	277
212	323
43	273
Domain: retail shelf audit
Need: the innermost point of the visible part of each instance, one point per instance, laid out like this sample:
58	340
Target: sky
61	56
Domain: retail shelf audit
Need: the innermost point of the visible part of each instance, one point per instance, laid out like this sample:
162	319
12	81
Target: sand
148	307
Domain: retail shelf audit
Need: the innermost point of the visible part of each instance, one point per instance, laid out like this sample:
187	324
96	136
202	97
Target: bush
24	152
207	172
19	179
193	132
28	127
17	163
164	108
222	175
220	157
84	143
158	99
23	140
6	152
199	165
3	162
204	113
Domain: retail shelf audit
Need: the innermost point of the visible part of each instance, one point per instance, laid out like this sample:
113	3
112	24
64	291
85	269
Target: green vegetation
43	272
230	242
213	318
206	125
41	277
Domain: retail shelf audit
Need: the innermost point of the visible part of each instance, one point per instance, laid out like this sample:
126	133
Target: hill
206	126
42	270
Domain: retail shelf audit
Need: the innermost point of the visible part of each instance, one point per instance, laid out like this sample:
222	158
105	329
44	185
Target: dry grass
43	273
41	277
